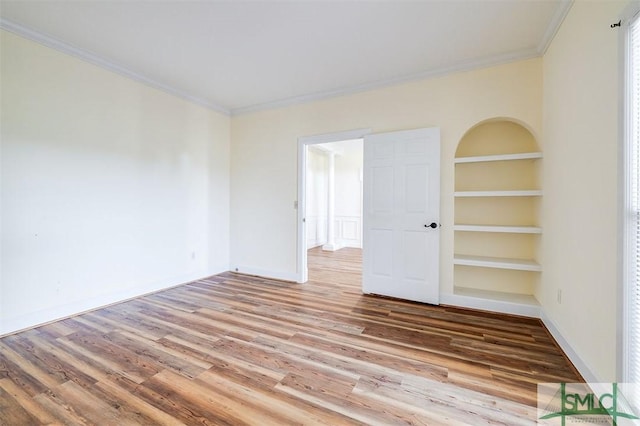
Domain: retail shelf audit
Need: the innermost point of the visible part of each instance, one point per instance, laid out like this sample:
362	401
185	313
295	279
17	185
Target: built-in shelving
497	262
501	157
518	193
499	228
496	195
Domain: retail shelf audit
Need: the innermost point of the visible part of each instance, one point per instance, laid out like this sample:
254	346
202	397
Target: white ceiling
237	56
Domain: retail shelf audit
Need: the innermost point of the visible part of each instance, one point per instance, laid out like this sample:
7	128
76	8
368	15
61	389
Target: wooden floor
232	350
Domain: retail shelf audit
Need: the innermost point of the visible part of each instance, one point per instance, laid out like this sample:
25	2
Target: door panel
401	198
414	267
382	187
416	184
382	252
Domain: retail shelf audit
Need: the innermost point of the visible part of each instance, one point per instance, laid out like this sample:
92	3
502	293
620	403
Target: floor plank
234	349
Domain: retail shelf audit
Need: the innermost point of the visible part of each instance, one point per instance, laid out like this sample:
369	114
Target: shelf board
497	228
501	296
501	157
493	301
517	193
497	262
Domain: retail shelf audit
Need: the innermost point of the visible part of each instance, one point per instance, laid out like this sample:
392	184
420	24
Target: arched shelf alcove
497	229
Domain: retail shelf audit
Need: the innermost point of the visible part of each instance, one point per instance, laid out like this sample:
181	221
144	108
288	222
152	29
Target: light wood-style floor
233	350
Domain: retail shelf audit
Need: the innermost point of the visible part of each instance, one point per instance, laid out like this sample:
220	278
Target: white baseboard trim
331	247
338	246
490	305
266	273
35	319
529	311
587	373
314	245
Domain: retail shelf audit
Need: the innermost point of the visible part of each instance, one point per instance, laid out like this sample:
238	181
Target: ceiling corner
554	25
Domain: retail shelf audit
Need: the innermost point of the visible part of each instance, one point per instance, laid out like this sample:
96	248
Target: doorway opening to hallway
333	210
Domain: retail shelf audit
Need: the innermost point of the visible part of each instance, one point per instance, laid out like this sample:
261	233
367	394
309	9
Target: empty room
319	212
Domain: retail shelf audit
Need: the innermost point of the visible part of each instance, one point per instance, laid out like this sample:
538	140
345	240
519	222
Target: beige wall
264	150
580	172
110	188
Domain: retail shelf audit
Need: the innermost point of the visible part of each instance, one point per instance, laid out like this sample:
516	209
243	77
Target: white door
401	217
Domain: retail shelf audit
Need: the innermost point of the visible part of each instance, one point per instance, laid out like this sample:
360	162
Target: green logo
595	403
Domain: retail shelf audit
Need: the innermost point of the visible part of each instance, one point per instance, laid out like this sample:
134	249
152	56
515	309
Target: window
631	309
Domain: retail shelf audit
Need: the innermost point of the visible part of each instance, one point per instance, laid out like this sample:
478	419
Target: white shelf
497	262
496	301
524	299
518	193
496	228
501	157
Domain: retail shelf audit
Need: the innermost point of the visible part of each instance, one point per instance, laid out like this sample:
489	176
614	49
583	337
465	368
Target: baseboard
526	310
35	319
585	371
344	244
266	273
315	244
338	245
500	306
332	247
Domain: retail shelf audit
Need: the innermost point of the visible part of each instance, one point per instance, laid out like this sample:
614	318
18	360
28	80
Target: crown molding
554	25
438	72
63	47
46	40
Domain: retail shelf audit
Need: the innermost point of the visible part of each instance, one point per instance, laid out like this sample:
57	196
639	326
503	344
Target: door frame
303	143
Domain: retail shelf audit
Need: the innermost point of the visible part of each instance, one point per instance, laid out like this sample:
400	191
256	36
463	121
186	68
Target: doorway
329	194
334	212
334	195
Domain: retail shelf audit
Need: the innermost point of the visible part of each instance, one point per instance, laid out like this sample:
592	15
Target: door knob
432	225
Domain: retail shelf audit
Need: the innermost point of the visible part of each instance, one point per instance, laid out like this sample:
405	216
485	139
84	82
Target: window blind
632	290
